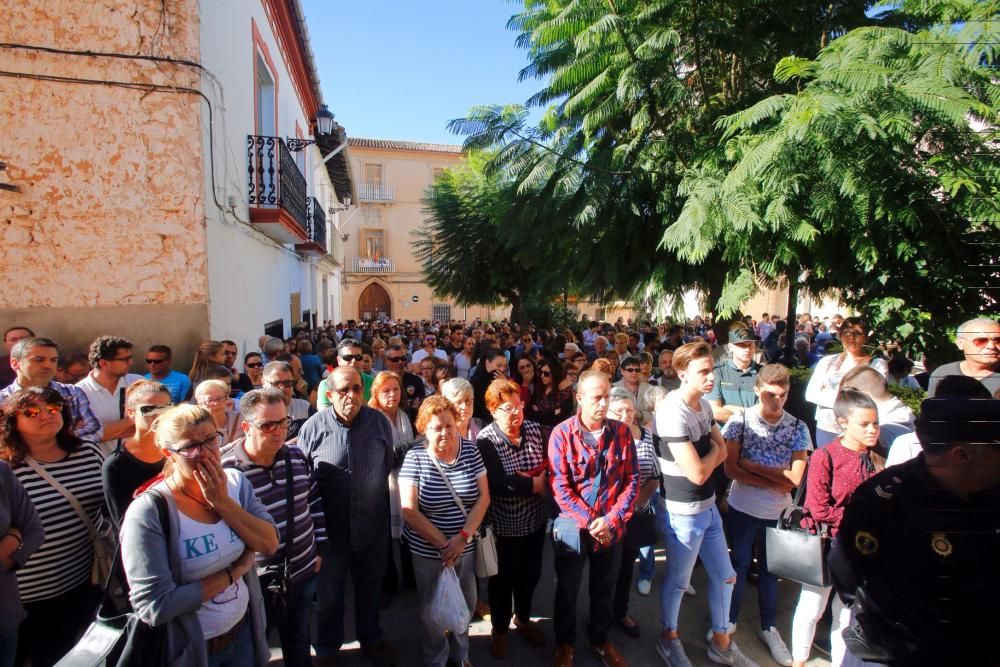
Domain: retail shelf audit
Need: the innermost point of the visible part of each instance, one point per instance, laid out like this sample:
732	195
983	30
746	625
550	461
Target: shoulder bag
565	531
641	531
487	564
123	640
276	579
102	536
794	552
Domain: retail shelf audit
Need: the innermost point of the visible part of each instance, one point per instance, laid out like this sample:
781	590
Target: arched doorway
374	303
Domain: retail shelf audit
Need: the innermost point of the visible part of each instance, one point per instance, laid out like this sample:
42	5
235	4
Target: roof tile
392	144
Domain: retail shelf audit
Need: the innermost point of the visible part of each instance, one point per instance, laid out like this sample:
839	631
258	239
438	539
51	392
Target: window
373	174
373	244
264	95
441	312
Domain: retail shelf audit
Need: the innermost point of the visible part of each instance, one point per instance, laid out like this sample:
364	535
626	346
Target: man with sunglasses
979	341
350	453
279	375
350	355
110	358
430	349
158	361
263	456
634	382
413	385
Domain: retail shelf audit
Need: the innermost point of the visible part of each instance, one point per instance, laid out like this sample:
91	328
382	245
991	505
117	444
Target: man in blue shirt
158	361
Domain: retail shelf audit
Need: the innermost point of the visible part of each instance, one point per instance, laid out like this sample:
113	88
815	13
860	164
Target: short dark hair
278	367
18	328
104	347
961	386
773	374
71	359
228	342
23	346
266	396
248	355
162	349
348	343
13	448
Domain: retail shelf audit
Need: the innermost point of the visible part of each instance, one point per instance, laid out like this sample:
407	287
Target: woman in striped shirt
36	426
439	532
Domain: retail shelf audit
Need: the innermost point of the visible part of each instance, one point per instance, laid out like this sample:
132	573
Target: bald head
345	392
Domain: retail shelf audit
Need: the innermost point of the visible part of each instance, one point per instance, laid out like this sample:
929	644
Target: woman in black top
551	403
138	459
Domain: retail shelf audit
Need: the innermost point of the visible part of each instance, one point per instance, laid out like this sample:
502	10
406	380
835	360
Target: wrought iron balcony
375	192
370	265
315	229
277	190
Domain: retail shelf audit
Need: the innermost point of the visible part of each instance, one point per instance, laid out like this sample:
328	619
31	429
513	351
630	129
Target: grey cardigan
16	511
153	569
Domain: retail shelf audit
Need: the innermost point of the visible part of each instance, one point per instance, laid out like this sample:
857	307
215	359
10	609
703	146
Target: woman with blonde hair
209	353
213	395
195	574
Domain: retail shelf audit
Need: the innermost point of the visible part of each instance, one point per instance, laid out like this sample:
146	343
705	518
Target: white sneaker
644	586
672	652
729	631
731	656
776	646
690	590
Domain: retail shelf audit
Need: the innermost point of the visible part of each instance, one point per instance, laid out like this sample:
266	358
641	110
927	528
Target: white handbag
486	544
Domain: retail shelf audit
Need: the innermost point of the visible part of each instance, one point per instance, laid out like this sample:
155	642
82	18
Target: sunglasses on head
351	357
32	411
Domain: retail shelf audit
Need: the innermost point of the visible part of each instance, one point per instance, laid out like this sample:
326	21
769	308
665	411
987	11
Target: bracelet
465	535
229	573
20	542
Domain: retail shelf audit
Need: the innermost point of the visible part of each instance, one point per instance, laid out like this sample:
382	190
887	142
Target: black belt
226	639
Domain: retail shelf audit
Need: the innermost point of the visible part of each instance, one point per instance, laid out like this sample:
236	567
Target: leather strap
65	493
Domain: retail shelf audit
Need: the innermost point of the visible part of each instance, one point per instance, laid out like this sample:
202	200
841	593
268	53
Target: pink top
829	489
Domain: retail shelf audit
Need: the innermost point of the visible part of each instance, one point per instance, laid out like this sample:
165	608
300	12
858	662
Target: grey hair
457	387
973	325
273	367
273	346
653	396
251	400
621	394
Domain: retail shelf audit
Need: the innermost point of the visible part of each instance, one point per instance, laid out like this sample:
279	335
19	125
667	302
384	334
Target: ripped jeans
687	537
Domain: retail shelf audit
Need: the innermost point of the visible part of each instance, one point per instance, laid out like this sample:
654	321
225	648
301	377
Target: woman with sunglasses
213	395
523	374
36	437
196	574
824	383
255	369
138	459
551	403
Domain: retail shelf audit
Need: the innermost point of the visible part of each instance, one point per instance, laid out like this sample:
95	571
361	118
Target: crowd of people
246	492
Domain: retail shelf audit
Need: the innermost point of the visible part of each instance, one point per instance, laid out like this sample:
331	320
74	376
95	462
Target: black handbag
794	552
641	529
276	580
873	636
122	639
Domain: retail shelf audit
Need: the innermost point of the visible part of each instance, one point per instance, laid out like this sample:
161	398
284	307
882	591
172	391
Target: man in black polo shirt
735	376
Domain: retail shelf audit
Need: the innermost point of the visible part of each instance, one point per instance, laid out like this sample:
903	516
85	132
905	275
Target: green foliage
910	397
547	313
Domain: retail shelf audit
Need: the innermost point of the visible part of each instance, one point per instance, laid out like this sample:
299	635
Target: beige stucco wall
110	208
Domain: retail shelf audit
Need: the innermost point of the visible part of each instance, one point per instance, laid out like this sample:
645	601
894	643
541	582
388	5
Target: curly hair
105	347
13	448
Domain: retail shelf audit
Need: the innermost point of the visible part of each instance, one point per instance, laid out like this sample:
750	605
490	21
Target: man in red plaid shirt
585	449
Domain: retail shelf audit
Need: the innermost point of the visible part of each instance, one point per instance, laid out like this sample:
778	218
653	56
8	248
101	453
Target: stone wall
111	204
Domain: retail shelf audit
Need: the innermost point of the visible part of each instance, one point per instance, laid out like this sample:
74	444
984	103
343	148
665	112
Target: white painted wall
251	277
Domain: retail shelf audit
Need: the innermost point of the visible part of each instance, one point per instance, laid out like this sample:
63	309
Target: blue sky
398	69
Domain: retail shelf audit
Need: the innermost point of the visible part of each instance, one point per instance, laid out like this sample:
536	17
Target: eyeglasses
212	400
146	410
349	389
271	427
395	360
192	449
511	409
852	334
983	342
32	411
284	384
256	365
128	358
631	369
351	357
152	362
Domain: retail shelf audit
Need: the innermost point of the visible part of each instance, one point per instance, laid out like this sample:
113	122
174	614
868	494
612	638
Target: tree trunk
516	308
788	357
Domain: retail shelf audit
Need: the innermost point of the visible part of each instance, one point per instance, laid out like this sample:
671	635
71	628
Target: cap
741	333
959	420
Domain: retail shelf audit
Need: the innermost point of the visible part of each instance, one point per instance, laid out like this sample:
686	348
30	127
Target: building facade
154	191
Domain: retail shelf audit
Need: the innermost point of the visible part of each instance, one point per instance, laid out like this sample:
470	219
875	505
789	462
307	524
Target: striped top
677	424
435	500
270	486
515	509
63	561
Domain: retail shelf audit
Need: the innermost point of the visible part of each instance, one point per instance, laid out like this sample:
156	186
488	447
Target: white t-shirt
207	548
677	423
767	444
106	406
421	354
904	448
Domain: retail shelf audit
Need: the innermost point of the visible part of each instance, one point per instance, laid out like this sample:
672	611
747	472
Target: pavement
401	625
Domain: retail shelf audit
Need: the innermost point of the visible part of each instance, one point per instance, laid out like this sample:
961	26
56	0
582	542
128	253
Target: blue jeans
647	555
239	653
688	537
743	530
366	567
8	649
294	632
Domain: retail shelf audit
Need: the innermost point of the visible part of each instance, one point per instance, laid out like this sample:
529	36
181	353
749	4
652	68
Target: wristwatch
468	538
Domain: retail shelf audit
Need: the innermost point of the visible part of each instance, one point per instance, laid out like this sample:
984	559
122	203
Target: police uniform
734	386
928	559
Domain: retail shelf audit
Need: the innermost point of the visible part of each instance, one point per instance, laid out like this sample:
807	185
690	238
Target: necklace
184	492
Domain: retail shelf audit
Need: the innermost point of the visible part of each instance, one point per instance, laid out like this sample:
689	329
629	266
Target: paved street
403	630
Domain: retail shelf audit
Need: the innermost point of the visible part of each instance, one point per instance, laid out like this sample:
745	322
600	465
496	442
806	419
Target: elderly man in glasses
979	341
271	466
635	383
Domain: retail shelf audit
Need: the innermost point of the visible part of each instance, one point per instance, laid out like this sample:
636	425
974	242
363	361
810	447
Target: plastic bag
448	609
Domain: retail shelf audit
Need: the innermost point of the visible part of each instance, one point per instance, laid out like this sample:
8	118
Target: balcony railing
274	178
375	192
380	265
315	229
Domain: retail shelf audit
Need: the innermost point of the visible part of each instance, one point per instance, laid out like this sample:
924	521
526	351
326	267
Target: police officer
922	540
736	375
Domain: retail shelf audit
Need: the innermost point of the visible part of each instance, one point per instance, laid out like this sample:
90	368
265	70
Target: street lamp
324	127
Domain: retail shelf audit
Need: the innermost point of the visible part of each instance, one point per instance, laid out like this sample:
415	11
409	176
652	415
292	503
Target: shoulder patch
865	543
